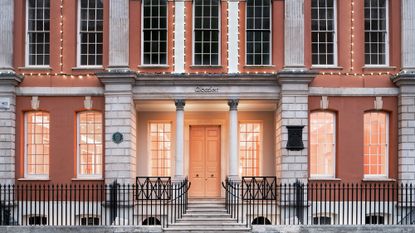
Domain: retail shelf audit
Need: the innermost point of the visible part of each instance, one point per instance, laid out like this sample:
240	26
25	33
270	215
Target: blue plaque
117	137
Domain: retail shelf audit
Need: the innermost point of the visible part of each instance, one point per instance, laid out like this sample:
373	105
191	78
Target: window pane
90	143
323	32
249	148
155	32
375	143
376	32
206	24
91	32
322	144
258	30
37	143
38	20
160	141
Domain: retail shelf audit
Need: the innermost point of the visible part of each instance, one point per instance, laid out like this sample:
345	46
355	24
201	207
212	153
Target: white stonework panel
120	159
6	34
292	110
179	36
233	32
294	34
355	91
119	33
408	34
59	91
8	128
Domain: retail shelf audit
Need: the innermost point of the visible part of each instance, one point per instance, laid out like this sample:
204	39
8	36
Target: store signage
207	90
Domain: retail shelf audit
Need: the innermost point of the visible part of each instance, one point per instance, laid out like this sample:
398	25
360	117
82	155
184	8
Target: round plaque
117	137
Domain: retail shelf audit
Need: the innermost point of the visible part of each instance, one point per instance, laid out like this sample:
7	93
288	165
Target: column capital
233	104
180	103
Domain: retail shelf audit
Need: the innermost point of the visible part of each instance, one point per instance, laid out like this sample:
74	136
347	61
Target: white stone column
233	34
8	83
408	34
6	35
120	127
292	110
233	139
179	36
294	34
118	34
179	138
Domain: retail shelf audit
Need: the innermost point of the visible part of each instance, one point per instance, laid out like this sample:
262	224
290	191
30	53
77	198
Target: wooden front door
204	168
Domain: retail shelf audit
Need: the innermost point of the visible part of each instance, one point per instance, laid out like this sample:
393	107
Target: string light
352	37
61	38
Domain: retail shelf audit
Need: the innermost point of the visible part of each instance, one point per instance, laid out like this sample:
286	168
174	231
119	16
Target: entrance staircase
207	215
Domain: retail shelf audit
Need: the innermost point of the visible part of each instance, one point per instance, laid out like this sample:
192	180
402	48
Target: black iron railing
151	201
261	200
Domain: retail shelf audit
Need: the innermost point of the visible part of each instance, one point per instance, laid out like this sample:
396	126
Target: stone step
203	220
205	205
207	215
212	229
207	201
207	223
206	210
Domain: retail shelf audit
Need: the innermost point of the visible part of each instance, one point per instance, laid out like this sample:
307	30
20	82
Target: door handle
211	175
197	175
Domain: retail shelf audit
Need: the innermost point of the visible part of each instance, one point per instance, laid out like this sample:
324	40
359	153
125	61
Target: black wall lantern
295	137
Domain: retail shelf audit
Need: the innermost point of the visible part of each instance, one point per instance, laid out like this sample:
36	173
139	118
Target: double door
204	170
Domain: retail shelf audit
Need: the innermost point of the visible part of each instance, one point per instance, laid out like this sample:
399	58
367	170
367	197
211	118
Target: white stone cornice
59	91
353	91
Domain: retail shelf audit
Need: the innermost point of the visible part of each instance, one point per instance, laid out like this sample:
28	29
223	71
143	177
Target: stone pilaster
120	119
233	139
119	34
179	36
6	35
233	32
294	34
292	110
406	127
408	34
8	83
179	138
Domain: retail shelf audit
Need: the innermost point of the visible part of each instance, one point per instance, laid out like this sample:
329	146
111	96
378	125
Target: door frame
223	146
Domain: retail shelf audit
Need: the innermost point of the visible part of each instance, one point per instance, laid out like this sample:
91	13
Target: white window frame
261	141
149	151
219	36
386	175
326	176
26	159
78	149
270	36
335	42
78	41
167	38
387	56
27	39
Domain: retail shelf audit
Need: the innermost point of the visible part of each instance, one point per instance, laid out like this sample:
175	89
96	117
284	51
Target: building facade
94	91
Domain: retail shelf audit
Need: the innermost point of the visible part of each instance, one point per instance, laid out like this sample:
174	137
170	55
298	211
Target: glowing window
375	144
160	137
249	148
90	144
322	144
37	144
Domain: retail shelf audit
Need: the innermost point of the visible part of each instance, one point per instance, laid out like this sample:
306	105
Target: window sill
258	66
206	66
378	67
33	179
35	68
317	67
323	179
153	66
88	179
378	179
88	68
